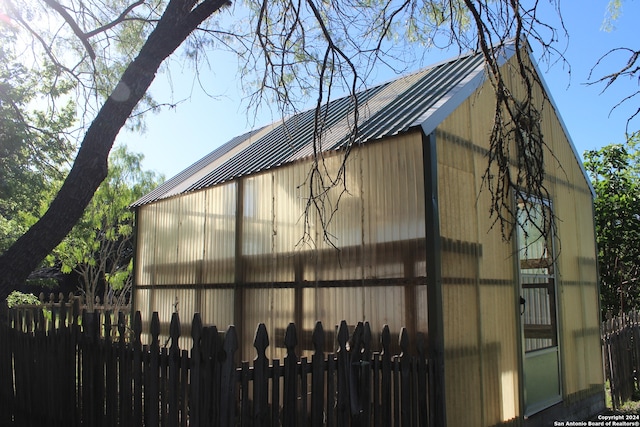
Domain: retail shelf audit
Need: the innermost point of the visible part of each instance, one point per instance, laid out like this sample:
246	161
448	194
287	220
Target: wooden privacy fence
621	347
65	372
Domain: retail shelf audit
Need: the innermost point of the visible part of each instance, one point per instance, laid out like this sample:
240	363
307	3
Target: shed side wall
369	266
577	276
480	282
479	279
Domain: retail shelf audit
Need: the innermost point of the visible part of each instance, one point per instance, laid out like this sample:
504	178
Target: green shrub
18	298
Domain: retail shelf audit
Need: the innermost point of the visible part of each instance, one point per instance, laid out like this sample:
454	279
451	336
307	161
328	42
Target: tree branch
115	22
74	26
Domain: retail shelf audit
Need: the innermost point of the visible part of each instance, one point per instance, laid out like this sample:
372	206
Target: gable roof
423	98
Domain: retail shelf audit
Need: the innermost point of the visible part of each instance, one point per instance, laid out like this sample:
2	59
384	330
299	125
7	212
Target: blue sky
177	137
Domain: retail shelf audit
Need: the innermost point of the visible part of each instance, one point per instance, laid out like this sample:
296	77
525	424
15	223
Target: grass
629	407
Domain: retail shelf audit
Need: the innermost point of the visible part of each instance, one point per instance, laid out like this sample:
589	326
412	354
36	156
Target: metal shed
410	244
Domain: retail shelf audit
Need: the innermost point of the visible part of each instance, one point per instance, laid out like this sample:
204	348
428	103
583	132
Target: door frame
550	356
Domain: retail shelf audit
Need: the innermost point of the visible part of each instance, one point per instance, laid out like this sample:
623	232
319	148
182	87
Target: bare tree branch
73	25
630	69
115	22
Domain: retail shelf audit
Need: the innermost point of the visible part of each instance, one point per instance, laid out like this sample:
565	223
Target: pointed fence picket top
261	378
137	368
174	373
386	376
195	370
365	375
317	376
342	407
117	375
290	392
355	361
152	398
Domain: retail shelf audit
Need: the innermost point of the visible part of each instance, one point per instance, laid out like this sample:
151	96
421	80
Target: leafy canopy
615	174
35	143
100	247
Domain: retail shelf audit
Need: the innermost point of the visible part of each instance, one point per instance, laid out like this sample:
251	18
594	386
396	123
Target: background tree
81	48
629	71
615	175
291	50
35	148
100	246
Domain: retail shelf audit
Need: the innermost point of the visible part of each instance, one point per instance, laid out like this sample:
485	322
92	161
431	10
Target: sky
205	119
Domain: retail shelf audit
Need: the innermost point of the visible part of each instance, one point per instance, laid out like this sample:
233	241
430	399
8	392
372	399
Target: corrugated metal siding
384	110
479	281
184	179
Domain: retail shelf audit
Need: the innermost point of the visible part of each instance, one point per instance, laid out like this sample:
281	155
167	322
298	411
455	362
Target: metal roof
423	98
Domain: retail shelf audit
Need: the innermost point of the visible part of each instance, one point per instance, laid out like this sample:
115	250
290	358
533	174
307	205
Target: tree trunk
179	19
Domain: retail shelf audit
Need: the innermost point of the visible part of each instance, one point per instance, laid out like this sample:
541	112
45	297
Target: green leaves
99	248
35	146
615	175
19	298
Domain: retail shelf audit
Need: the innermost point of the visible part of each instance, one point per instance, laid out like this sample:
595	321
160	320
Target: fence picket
261	378
395	375
111	392
275	392
124	375
375	362
245	420
422	380
184	388
317	376
365	372
302	410
405	374
355	360
386	376
151	400
290	380
174	372
164	387
621	348
342	409
227	379
137	369
195	371
113	379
